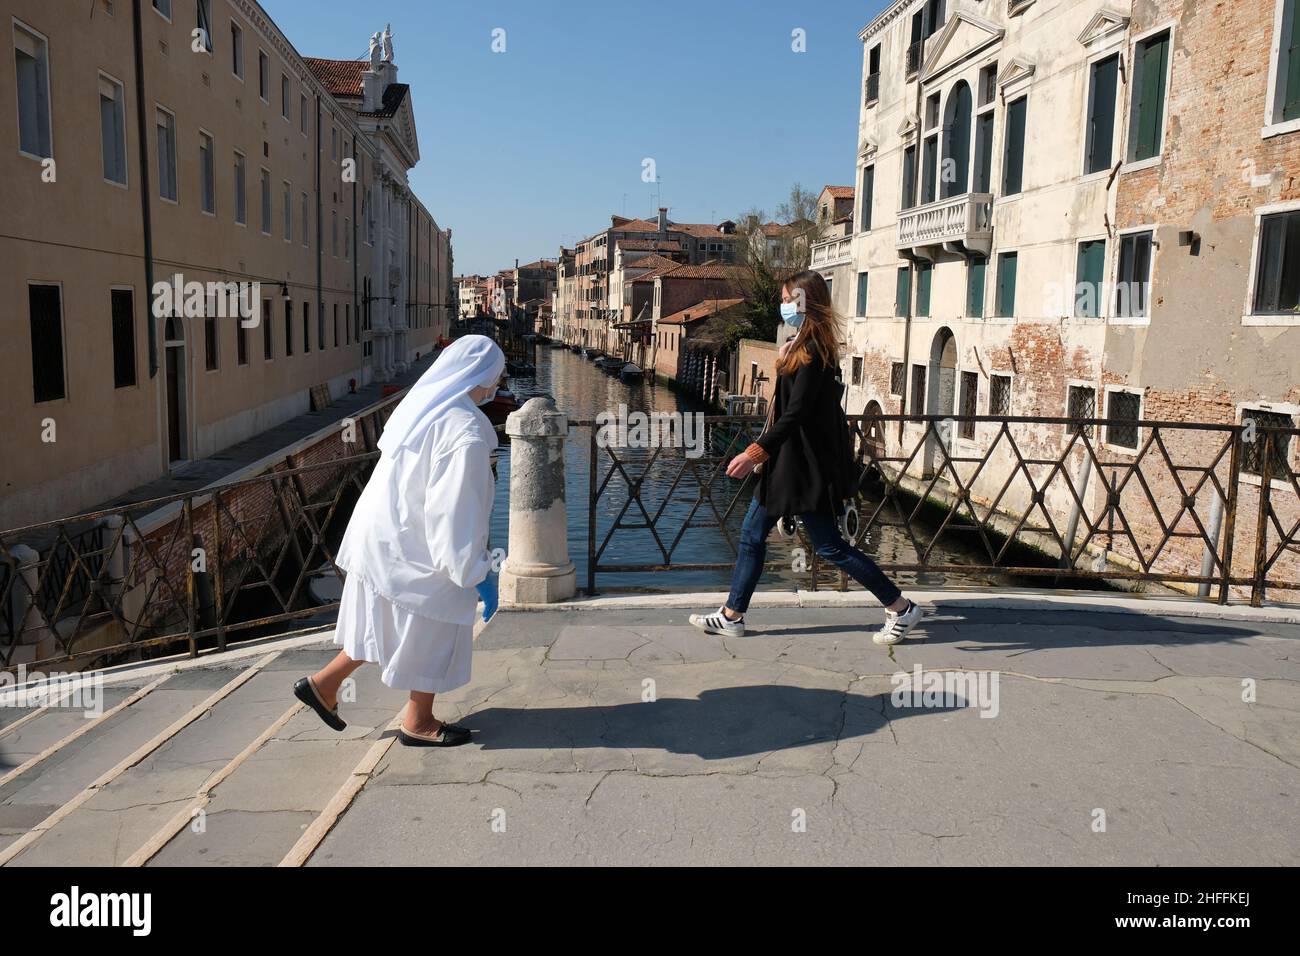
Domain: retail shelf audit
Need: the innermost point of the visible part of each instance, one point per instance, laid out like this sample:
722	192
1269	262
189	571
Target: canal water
582	392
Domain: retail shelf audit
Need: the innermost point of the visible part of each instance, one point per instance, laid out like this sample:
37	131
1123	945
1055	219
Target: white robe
414	549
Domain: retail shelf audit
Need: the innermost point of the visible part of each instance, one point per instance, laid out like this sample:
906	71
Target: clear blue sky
537	146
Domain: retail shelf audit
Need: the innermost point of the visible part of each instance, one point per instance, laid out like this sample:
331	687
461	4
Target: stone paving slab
784	746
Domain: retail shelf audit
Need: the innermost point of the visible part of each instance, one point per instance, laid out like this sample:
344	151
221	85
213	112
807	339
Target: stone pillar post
537	568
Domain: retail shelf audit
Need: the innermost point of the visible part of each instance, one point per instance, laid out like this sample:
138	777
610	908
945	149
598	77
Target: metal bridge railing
1203	506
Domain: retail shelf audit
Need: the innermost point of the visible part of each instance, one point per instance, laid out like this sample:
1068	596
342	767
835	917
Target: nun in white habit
415	550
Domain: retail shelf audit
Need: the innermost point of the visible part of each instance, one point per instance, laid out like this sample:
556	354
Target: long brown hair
820	329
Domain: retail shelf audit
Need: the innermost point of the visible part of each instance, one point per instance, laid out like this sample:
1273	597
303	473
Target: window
306	327
868	196
236	50
924	276
856	370
45	312
347	238
1284	98
873	75
122	311
903	292
1277	274
1088	275
287	201
976	271
164	7
241	342
1103	85
1123	411
929	164
210	341
999	394
285	110
167	187
112	129
334	233
263	76
1133	279
32	57
288	327
983	172
336	325
207	181
1252	452
302	114
267	352
241	191
1081	406
896	378
918	389
988	85
909	177
347	322
1008	263
334	142
320	325
862	295
203	18
1150	68
304	219
266	202
1013	160
970	390
956	142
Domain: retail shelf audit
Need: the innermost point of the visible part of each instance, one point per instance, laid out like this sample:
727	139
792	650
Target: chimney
663	219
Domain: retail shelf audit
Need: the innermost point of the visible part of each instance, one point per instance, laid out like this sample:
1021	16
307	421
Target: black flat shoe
306	692
448	735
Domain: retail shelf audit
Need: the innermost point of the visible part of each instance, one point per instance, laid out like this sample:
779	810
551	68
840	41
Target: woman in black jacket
805	466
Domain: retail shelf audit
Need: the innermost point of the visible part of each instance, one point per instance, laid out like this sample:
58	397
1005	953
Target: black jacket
810	469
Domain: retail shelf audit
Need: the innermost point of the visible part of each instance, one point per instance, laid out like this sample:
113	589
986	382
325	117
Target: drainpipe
356	254
146	211
320	285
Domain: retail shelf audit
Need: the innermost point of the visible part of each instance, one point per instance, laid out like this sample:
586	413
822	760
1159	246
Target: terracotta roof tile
840	192
340	77
700	310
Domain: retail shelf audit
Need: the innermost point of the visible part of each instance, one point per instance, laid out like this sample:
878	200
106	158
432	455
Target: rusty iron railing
172	572
1049	498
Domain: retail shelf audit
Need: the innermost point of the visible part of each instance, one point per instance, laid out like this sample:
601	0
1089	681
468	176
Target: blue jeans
826	538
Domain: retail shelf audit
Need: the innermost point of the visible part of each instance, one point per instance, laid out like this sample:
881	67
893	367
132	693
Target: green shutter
1014	165
975	288
903	292
1091	267
1291	105
924	274
1149	115
862	293
1101	114
1007	285
868	196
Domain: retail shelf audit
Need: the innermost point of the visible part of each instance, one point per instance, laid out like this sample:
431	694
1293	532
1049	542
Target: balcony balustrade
961	223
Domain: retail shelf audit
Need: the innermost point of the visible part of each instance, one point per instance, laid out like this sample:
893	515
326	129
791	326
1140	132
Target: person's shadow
723	722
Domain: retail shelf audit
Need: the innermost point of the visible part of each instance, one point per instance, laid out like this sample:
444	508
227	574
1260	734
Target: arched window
954	177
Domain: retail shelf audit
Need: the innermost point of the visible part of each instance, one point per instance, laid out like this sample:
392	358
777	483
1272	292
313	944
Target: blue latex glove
487	590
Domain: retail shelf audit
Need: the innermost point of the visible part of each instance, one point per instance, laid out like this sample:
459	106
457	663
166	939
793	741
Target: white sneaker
898	624
719	623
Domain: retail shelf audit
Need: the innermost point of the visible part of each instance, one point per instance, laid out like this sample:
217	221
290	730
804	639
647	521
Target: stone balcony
960	224
831	252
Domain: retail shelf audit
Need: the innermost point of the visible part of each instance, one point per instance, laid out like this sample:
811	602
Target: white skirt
415	653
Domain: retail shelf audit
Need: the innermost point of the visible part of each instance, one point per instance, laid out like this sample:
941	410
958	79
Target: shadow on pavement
724	722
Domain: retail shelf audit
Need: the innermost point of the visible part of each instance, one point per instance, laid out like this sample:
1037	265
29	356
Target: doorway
941	399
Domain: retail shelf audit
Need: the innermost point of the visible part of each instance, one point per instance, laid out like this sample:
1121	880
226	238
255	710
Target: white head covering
470	362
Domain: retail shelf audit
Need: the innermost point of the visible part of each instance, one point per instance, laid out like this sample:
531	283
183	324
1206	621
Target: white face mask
491	395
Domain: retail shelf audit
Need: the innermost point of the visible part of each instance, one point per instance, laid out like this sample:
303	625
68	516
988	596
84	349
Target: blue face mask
791	315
